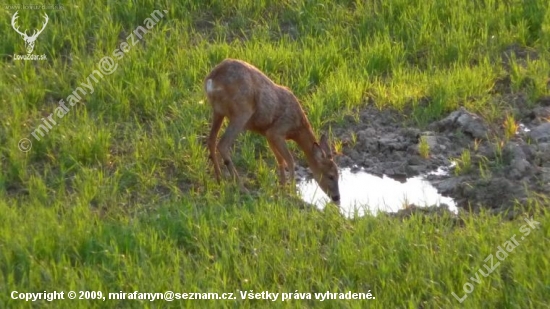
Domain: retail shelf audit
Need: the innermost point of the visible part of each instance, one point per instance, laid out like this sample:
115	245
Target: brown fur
251	101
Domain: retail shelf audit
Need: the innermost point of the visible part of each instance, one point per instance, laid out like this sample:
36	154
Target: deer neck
305	140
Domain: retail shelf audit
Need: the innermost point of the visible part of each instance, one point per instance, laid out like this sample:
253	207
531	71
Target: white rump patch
209	85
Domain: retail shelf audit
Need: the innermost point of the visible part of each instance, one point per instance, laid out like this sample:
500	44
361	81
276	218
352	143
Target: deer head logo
29	40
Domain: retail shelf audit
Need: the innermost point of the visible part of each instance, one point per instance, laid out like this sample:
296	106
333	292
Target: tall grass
119	195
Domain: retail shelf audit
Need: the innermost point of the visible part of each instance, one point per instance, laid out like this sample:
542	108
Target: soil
503	171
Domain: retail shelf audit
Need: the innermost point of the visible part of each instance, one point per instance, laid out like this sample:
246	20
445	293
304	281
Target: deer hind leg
280	162
217	120
278	142
234	128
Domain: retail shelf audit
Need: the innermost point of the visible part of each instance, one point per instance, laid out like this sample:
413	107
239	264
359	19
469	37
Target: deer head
29	40
324	170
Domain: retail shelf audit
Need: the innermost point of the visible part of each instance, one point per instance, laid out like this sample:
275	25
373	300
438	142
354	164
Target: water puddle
360	191
443	170
522	129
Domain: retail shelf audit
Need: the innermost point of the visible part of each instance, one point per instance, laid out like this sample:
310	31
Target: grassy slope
119	196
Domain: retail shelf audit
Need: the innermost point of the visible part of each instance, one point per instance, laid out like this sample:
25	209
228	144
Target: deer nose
336	198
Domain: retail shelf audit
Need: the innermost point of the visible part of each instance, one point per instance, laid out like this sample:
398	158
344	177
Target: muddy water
363	191
522	129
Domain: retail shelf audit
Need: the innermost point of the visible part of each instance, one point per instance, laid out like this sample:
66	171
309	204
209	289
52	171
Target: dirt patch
518	53
431	213
480	167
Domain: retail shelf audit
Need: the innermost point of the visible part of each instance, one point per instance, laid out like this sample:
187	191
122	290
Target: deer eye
330	177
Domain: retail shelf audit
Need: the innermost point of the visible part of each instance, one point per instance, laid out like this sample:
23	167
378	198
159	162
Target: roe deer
252	101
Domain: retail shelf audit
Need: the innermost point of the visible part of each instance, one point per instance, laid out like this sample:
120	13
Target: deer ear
325	146
318	152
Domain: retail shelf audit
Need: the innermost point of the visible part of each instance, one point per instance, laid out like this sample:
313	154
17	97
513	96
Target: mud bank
490	170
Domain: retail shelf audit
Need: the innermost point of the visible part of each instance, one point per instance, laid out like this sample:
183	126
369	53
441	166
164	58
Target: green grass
510	127
119	195
424	147
463	163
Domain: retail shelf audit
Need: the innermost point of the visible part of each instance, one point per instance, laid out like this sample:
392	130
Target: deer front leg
281	164
279	143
